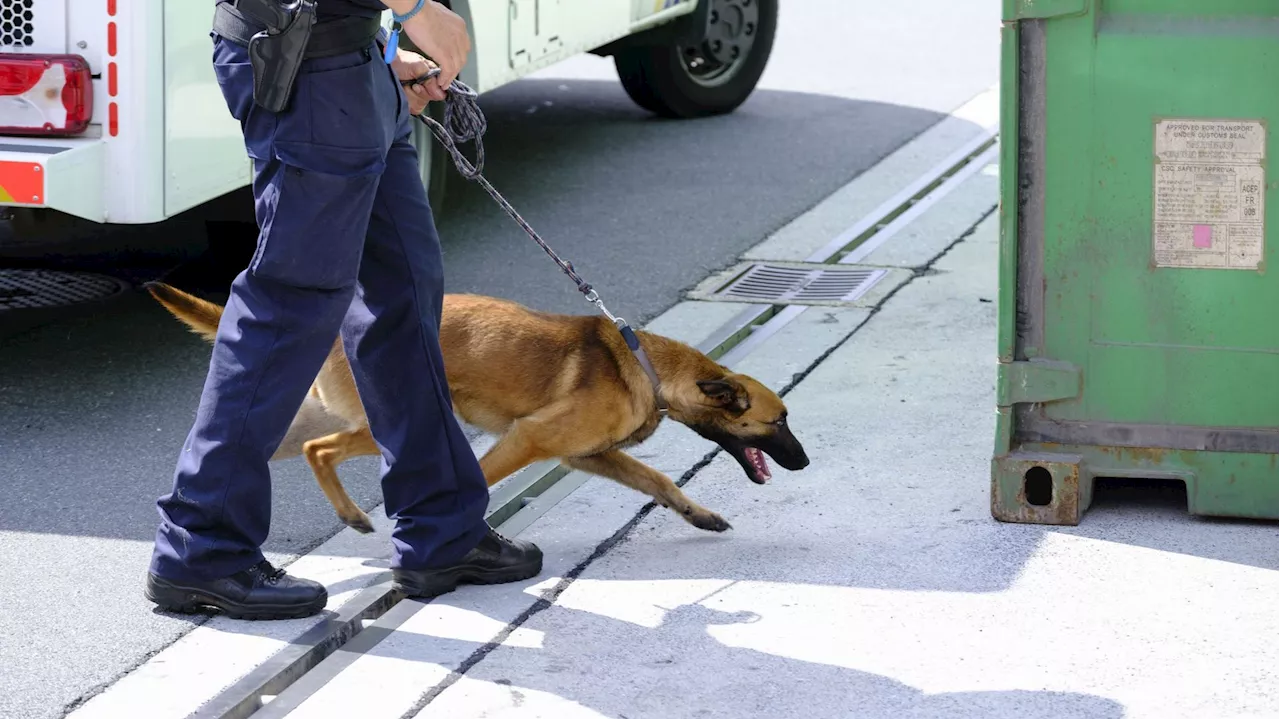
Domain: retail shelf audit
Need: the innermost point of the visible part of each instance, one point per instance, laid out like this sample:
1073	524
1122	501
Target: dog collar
633	343
653	377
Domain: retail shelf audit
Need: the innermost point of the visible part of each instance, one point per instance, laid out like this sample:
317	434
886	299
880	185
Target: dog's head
747	420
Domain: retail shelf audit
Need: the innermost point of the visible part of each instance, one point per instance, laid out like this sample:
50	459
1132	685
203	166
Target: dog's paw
709	521
361	523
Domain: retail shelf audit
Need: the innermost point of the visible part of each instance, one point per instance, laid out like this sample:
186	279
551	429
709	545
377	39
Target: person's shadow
679	669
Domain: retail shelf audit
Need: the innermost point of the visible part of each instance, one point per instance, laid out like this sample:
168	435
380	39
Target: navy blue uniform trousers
347	245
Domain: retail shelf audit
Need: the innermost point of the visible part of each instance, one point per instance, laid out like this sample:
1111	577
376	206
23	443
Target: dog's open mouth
758	464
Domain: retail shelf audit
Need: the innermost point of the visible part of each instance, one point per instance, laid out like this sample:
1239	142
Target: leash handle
463	122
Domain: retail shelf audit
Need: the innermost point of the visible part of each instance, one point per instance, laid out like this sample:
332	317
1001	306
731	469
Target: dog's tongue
757	460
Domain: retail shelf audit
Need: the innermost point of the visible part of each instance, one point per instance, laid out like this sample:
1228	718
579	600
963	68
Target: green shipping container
1138	292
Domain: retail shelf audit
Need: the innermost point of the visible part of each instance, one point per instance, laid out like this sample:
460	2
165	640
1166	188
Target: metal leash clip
594	299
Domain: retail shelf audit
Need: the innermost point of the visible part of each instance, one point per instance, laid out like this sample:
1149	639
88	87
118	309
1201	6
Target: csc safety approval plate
1209	194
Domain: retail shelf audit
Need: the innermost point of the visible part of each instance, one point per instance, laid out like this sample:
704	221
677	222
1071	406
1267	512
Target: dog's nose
797	462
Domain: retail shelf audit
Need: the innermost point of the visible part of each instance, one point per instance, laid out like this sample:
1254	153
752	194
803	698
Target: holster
277	52
276	36
280	37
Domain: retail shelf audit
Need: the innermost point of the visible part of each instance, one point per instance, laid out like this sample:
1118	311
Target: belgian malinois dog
550	387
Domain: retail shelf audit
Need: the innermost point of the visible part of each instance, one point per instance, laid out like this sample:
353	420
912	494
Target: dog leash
464	122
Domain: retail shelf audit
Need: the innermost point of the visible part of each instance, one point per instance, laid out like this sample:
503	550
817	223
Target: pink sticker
1202	236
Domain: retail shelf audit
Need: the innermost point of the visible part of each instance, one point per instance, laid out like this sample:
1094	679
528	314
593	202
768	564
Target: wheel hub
731	28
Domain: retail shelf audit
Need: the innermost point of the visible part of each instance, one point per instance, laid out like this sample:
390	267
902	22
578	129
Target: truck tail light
44	94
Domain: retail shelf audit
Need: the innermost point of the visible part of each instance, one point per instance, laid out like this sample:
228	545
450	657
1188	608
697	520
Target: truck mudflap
64	174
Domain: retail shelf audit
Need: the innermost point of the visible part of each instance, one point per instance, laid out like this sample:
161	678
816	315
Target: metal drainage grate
16	23
40	289
799	285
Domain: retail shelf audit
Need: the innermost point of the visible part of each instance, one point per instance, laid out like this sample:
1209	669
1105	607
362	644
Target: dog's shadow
679	668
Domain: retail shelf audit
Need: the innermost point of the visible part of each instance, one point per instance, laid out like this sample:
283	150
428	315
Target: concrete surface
182	676
872	584
174	683
434	638
876	584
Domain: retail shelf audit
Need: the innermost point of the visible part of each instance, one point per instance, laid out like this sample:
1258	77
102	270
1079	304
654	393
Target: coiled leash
464	122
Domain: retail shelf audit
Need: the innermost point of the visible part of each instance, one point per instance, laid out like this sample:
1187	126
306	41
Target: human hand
442	35
409	65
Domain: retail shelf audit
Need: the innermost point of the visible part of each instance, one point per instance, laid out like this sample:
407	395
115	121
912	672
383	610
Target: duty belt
328	38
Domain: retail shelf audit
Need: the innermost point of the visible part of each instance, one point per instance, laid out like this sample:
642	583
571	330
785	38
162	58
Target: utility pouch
277	53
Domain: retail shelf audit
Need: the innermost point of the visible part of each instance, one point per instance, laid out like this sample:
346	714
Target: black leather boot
496	560
259	592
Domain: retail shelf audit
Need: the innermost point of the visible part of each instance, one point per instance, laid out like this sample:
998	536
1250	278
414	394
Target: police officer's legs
432	482
283	315
316	182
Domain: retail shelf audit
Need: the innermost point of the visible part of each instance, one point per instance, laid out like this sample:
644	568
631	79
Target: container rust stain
1144	455
1012	505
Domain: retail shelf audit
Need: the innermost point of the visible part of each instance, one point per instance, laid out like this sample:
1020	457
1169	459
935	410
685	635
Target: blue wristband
416	9
396	22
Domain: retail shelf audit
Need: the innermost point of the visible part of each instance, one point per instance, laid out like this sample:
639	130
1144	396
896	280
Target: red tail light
44	94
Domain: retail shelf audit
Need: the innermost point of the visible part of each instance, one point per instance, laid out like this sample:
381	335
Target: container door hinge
1036	381
1042	9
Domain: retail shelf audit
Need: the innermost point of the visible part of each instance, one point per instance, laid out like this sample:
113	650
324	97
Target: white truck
110	112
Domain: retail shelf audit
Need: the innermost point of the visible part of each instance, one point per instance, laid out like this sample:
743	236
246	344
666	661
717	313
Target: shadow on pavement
679	669
1153	514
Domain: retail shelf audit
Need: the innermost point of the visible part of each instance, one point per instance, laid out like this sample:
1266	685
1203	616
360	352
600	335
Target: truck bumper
64	174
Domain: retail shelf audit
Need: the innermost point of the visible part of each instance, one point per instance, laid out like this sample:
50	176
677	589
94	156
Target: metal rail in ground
522	499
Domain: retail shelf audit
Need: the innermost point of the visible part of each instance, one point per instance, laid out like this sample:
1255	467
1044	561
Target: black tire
664	81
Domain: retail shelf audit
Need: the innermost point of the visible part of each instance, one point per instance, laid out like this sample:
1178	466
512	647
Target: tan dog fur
550	387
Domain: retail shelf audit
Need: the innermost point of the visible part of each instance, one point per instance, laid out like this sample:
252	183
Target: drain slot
793	284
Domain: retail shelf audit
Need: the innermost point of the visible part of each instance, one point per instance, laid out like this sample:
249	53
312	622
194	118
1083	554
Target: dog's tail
200	315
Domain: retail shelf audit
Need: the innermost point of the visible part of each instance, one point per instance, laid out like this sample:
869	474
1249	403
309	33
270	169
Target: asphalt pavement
93	407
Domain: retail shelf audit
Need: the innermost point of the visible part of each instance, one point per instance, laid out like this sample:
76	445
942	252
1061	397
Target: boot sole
186	600
448	580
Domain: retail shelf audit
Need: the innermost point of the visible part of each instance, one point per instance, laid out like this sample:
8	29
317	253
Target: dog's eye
781	421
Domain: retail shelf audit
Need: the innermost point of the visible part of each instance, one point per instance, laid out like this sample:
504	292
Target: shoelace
269	573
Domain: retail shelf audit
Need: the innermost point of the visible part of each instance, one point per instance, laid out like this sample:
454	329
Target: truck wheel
434	163
712	78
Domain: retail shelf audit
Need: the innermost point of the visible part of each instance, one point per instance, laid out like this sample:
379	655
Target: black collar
633	343
653	378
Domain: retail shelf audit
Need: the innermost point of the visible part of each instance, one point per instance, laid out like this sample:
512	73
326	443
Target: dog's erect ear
726	393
